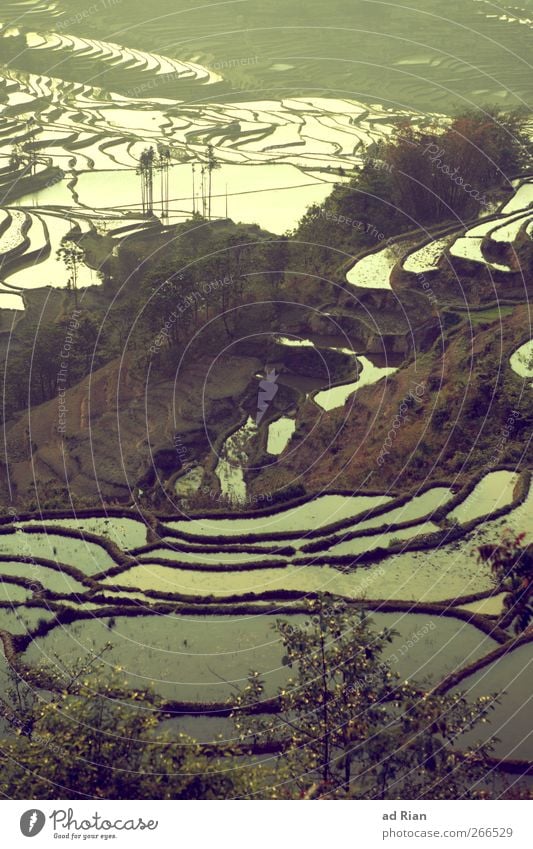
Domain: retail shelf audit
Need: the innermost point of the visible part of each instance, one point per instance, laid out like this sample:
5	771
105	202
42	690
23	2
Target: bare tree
146	171
163	164
212	165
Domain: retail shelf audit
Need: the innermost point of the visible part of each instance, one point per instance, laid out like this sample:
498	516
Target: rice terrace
266	494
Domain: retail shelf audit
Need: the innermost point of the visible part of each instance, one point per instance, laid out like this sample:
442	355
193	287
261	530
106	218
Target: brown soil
115	425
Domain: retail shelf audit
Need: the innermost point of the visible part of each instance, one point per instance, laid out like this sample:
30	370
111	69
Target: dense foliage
354	728
511	561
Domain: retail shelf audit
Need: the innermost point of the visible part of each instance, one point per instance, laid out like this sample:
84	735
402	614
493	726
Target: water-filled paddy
196	658
415	508
54	194
493	491
247	183
311	515
490	606
52	270
381	540
521	199
452	569
303	135
20	620
9	301
86	556
510	721
522	360
336	396
279	434
428	257
13	592
379	581
126	533
471	249
436	575
166	579
217	557
205	658
428	648
509	231
58	582
373	271
12	237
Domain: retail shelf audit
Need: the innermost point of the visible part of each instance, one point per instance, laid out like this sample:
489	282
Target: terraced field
473	246
87	140
186	602
87	107
250	48
198	594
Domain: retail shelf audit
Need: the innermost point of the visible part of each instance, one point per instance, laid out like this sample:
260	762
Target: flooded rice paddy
201	657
